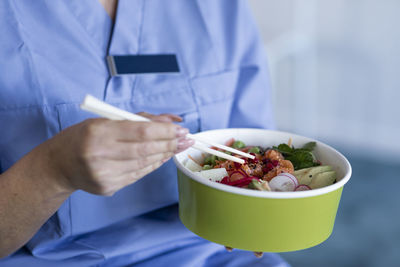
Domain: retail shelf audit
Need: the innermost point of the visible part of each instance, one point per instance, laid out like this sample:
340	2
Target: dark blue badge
136	64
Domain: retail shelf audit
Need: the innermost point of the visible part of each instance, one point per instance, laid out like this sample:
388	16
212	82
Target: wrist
45	173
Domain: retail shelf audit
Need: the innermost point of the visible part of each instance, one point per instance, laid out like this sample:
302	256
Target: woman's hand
98	156
101	156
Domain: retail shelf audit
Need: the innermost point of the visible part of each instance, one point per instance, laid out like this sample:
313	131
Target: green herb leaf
284	149
238	144
301	159
255	150
207	167
210	160
309	146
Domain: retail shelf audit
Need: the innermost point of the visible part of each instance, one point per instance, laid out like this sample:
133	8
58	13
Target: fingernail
184	144
180	131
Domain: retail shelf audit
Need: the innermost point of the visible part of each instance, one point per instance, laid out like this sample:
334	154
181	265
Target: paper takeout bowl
255	220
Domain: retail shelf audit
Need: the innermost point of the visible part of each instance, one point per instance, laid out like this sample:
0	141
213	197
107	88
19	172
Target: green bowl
256	220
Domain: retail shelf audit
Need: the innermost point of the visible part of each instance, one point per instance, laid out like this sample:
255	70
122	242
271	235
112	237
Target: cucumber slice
214	174
323	179
193	166
305	176
315	169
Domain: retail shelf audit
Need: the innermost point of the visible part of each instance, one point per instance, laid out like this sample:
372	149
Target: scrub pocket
162	93
215	94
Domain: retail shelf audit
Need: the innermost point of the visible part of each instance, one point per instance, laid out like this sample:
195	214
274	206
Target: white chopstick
218	153
96	106
227	148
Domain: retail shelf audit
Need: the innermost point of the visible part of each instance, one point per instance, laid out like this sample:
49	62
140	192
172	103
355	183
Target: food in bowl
278	168
280	221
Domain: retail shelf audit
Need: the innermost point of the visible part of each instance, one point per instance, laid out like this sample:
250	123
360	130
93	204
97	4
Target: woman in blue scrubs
76	191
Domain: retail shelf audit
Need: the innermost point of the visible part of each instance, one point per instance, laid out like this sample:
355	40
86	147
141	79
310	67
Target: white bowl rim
268	194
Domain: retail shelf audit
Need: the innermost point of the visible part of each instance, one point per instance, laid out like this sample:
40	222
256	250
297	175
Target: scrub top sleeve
252	106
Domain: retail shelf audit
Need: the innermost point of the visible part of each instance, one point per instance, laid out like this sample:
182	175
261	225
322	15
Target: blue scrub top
53	53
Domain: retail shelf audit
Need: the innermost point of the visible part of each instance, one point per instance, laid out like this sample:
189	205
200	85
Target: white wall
335	71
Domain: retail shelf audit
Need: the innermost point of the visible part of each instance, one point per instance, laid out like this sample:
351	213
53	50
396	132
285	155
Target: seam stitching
34	73
135	80
238	68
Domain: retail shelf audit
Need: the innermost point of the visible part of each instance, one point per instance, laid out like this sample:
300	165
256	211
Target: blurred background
334	68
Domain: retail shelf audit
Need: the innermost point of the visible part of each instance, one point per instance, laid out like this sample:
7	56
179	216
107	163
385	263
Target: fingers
128	131
136	150
129	151
173	117
166	117
112	168
146	115
184	144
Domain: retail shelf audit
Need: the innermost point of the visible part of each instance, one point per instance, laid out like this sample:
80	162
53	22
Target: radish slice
302	187
283	182
291	176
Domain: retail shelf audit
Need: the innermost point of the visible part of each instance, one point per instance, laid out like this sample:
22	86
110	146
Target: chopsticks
96	106
227	148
